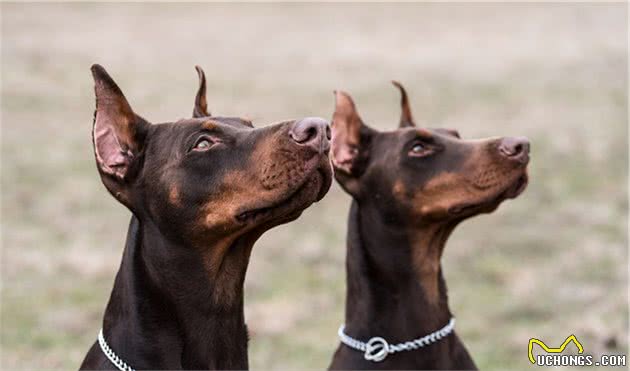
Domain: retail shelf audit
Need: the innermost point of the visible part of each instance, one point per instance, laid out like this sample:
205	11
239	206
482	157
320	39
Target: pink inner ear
345	145
342	153
112	158
346	132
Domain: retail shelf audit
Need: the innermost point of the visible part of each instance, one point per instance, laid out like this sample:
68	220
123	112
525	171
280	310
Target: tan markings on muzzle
287	171
400	192
490	177
268	175
441	192
478	170
280	166
236	190
173	196
486	172
468	183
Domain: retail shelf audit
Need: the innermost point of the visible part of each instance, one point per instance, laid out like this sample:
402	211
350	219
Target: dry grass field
551	263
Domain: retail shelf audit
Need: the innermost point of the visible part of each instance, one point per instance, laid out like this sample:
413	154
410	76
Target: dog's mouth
313	188
512	190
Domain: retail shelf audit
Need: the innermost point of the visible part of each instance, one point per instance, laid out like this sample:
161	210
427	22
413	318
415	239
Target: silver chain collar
109	353
377	348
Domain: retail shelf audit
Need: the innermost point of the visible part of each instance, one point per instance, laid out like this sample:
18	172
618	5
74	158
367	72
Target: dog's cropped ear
350	144
406	119
201	105
118	134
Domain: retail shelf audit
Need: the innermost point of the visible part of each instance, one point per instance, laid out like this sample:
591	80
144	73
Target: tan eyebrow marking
210	125
424	133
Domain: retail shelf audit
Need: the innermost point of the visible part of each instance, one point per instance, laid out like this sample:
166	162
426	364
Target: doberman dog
201	192
410	188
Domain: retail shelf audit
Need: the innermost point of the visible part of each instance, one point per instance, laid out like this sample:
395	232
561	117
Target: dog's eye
203	144
419	150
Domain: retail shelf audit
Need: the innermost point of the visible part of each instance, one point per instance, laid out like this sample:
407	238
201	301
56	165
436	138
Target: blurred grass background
549	264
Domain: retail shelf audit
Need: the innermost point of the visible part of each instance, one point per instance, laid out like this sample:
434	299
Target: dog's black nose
312	132
515	148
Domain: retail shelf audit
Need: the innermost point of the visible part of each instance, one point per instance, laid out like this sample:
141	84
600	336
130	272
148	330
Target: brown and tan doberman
410	188
201	192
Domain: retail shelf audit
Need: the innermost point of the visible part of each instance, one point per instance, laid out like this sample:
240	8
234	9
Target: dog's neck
395	286
165	297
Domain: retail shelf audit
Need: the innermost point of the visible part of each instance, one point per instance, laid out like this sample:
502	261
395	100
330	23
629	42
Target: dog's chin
489	204
287	209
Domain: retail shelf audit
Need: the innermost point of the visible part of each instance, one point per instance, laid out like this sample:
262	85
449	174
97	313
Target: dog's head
417	176
207	178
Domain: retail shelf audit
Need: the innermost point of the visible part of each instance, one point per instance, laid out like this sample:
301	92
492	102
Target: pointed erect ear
201	105
406	120
118	133
350	137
